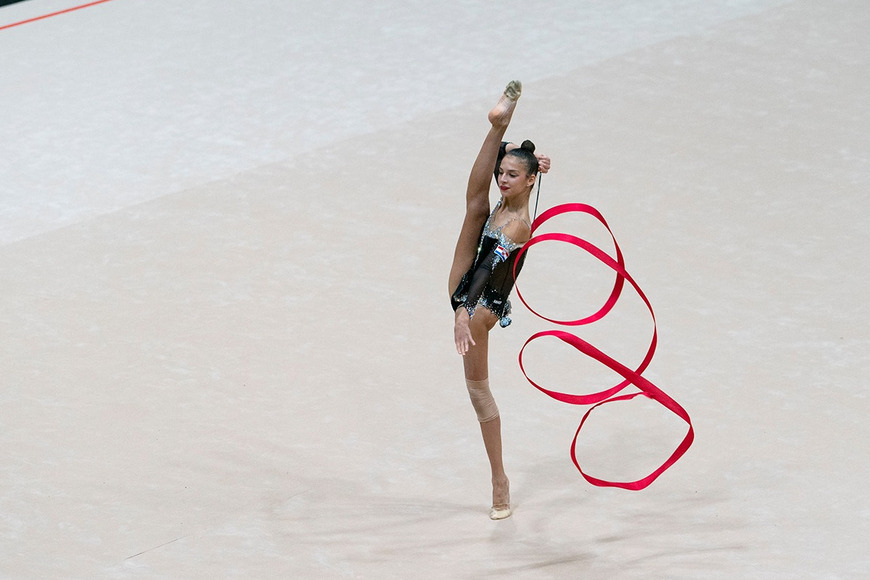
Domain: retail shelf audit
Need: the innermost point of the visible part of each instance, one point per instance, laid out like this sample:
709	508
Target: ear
531	180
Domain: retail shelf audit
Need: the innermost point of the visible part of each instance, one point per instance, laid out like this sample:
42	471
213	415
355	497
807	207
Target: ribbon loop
632	377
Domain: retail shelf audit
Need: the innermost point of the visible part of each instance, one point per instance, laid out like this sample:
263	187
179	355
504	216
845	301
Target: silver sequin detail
507	244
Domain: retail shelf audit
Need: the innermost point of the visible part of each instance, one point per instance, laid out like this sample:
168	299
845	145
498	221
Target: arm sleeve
501	153
481	276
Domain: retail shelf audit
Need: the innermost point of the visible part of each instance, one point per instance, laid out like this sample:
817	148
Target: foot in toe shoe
500	512
501	499
500	115
513	90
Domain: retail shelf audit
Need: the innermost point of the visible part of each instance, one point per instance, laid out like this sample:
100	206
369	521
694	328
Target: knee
482	400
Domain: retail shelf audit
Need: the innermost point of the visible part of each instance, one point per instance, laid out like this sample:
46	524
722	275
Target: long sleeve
501	153
484	271
482	275
489	281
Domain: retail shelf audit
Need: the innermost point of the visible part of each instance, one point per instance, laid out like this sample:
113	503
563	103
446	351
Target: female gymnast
481	277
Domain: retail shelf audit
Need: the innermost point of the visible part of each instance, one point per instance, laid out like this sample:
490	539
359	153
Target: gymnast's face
513	177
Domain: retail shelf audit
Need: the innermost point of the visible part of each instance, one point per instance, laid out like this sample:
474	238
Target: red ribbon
59	12
631	376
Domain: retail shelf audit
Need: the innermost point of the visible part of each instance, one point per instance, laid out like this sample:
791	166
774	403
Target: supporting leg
501	494
476	376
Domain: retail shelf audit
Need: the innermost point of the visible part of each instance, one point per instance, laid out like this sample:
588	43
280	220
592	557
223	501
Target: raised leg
477	191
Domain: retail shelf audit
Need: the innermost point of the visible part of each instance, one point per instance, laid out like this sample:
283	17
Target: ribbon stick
630	376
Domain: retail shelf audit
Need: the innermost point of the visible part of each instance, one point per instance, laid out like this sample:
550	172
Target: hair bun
528	146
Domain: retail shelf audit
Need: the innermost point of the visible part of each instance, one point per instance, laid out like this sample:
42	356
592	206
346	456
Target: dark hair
526	154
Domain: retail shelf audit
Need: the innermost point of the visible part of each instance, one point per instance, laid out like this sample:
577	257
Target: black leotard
490	279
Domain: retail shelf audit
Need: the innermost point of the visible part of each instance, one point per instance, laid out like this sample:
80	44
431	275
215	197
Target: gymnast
481	276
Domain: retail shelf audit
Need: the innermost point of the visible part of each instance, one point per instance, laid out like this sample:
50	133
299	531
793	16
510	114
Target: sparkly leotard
490	279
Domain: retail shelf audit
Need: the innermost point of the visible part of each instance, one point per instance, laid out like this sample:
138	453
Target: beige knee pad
481	399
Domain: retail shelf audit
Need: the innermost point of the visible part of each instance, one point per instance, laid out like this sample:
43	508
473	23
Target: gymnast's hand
543	162
462	331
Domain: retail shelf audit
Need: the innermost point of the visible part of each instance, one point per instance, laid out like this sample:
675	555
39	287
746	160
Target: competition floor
225	230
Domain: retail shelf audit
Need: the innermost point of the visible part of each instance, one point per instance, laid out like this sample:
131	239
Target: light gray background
226	347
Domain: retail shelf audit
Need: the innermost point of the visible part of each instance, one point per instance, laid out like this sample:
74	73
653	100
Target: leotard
490	279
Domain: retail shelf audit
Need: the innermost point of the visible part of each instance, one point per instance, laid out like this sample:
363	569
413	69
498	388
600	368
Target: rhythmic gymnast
481	277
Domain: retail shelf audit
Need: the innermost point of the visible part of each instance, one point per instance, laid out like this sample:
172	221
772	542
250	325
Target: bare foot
501	499
500	115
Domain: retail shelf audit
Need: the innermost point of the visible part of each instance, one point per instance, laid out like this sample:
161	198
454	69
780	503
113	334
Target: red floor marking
4	27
